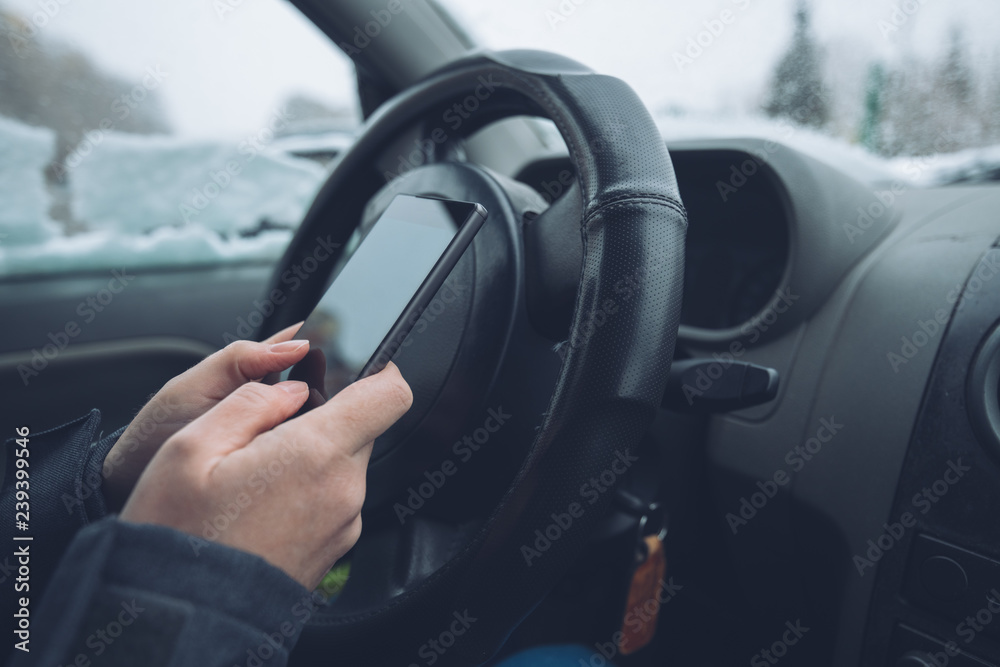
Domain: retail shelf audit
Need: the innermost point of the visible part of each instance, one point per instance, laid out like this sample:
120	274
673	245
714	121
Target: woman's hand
187	397
288	491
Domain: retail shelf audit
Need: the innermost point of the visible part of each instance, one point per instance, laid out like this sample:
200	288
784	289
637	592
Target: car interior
746	399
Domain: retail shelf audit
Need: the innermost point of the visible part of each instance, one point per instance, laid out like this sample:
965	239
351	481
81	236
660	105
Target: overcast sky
637	39
228	73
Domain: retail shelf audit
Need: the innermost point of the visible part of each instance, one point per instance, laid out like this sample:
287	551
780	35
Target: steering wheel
448	585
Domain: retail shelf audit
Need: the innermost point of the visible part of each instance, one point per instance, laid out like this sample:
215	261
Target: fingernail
294	328
288	346
316	396
294	387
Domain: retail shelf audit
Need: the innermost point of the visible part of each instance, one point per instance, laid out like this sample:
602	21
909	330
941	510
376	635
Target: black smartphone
383	283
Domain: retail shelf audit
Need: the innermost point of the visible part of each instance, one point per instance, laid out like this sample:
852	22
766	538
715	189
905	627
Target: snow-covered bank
25	151
146	200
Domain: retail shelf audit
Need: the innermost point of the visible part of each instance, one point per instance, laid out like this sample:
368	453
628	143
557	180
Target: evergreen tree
871	135
955	72
797	90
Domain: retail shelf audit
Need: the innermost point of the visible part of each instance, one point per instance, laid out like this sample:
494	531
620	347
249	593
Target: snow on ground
160	201
147	201
849	158
968	166
168	246
972	165
24	200
684	127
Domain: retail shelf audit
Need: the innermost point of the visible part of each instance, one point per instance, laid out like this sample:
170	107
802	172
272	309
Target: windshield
162	134
886	78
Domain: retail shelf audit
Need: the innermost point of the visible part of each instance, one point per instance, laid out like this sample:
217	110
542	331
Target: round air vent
983	392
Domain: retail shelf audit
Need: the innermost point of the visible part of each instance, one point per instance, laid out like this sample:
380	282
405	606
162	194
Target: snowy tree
50	85
797	90
938	106
871	130
955	74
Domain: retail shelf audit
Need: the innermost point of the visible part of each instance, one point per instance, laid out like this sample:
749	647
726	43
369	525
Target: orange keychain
643	606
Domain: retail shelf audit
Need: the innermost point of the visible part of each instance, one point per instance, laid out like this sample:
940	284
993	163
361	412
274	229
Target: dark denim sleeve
128	594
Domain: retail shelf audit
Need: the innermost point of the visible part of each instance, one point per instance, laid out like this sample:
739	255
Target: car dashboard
859	501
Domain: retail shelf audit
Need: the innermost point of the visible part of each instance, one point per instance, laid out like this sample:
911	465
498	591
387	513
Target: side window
158	134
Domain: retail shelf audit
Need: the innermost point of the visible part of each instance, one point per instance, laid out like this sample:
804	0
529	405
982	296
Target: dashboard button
915	648
950	581
916	659
943	578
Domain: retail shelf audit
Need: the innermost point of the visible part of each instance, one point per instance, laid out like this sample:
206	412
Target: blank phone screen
377	278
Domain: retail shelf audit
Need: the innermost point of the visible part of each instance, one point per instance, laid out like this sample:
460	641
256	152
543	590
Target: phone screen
376	280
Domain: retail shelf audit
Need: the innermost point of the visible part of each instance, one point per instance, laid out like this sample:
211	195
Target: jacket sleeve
129	594
60	493
126	594
61	486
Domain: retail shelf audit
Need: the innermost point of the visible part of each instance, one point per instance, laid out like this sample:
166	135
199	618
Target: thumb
243	415
360	412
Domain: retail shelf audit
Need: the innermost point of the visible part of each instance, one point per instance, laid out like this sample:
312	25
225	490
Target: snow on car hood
145	200
850	159
973	165
24	153
136	183
967	166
